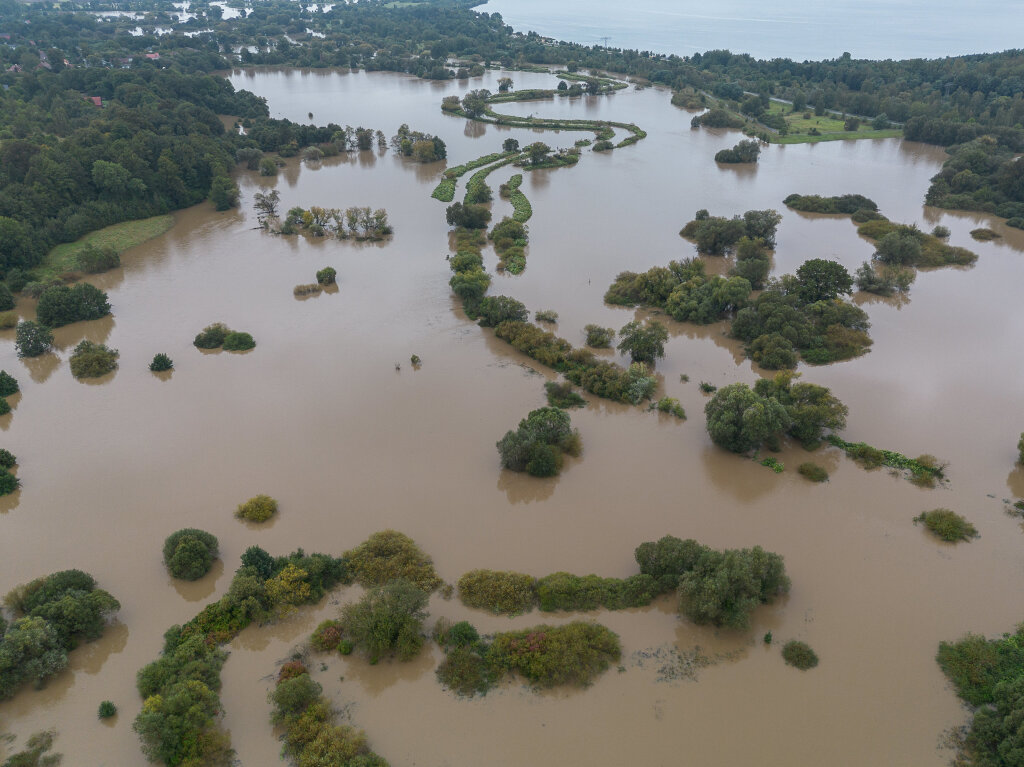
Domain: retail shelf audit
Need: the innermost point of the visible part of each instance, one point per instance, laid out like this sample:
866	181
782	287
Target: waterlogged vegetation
947	525
189	553
562	395
92	360
522	211
799	655
925	470
219	335
988	674
845	204
259	508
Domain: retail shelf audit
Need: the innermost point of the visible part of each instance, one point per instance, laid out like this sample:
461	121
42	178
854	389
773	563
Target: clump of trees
238	341
52	616
847	204
883	280
981	174
746	151
510	238
353	223
718	118
538	445
388	620
61	305
327	276
493	310
599	337
741	419
92	360
94	259
467	216
180	719
716	235
562	395
189	553
219	335
422	147
309	722
899	245
161	363
259	508
988	674
947	525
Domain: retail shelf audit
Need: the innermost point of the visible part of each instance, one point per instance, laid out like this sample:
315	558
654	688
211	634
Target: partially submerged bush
327	636
92	360
387	620
562	395
947	525
161	362
599	337
312	289
259	508
499	592
388	555
8	483
189	553
60	305
212	336
237	341
32	339
106	710
8	384
538	444
547	656
465	671
799	655
671	406
984	235
546	315
493	310
327	276
565	591
93	260
7	459
813	471
8	320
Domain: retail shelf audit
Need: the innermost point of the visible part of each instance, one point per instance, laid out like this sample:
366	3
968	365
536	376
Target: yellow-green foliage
388	555
947	525
500	592
259	508
547	656
8	320
288	589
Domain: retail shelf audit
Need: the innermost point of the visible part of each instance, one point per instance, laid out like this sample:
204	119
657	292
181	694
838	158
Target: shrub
499	592
746	151
313	288
237	341
268	167
7	459
8	483
546	315
547	656
259	508
388	555
60	305
32	339
106	710
983	235
327	276
160	363
5	407
562	395
724	587
941	232
1020	449
290	670
740	420
599	337
327	636
707	388
947	525
671	406
565	591
189	553
466	672
6	298
668	559
8	320
8	384
799	654
94	260
387	620
91	360
212	336
813	472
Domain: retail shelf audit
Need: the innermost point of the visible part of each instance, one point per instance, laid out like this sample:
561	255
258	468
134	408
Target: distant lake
869	29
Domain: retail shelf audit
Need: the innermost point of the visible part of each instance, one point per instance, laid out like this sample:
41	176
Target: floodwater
327	415
867	29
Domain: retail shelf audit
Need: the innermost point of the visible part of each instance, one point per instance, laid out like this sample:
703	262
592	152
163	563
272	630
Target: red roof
153	56
95	100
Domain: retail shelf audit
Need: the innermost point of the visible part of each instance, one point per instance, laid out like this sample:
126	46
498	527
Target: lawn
120	237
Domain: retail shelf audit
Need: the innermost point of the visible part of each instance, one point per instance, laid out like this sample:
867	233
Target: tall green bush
189	553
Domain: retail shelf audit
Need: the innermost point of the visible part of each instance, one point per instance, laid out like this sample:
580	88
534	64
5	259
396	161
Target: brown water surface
319	417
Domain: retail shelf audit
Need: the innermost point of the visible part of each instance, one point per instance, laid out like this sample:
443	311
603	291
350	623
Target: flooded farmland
327	415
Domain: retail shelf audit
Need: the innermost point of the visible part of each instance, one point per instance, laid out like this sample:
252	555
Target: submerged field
328	416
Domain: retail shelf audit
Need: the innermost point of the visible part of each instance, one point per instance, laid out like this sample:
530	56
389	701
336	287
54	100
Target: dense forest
103	120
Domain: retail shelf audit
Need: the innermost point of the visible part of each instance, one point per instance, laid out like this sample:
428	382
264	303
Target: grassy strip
487	159
522	211
934	252
119	237
480	176
444	191
845	136
924	469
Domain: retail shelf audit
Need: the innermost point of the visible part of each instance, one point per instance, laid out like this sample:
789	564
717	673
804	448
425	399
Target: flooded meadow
328	416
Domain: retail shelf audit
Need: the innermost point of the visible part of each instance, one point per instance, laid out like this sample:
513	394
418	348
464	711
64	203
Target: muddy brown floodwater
318	416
